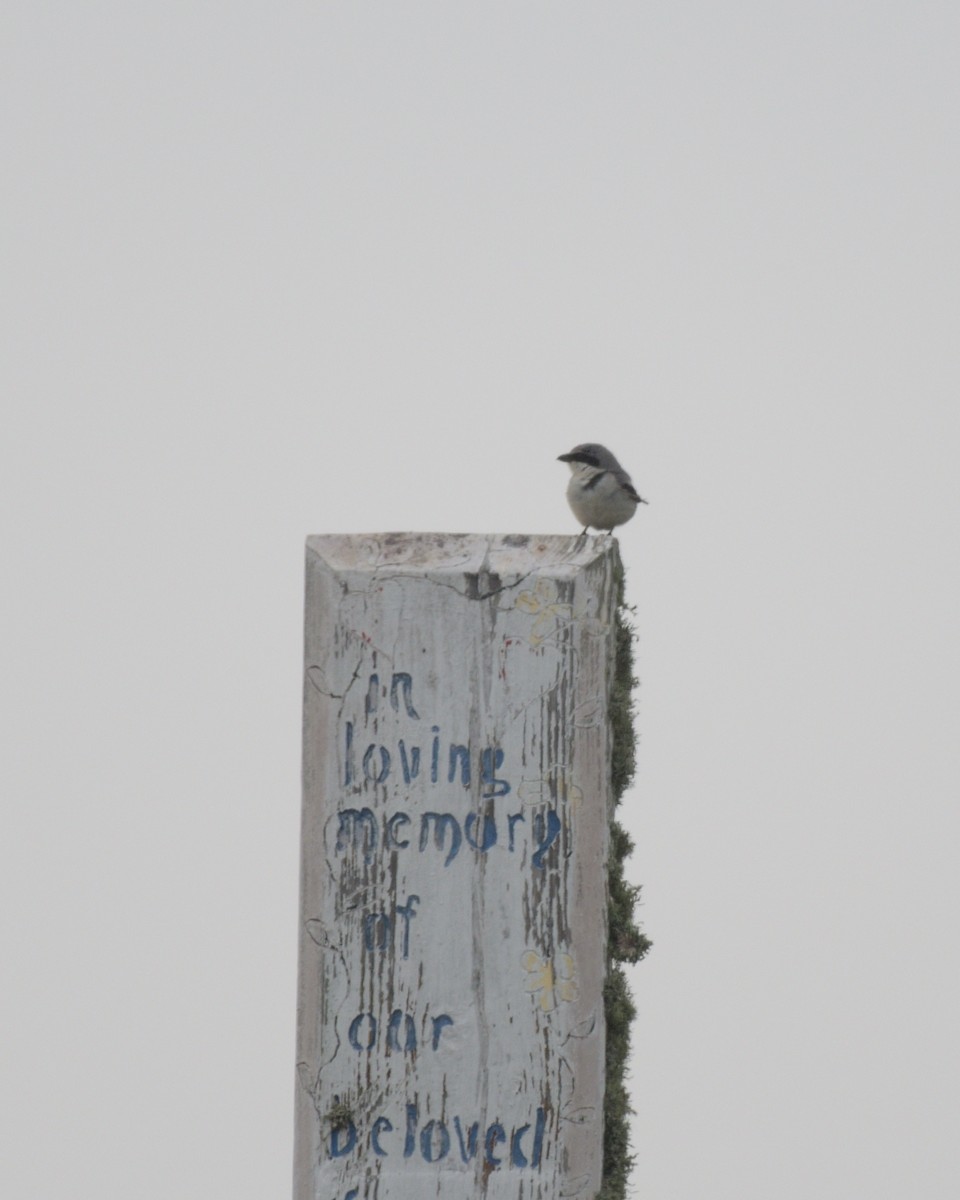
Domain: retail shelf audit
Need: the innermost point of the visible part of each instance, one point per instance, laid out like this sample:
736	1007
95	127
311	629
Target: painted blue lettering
495	1133
517	1156
468	1149
378	928
376	776
544	838
354	1033
490	760
489	831
406	912
380	1125
410	767
373	695
398	1018
410	1141
512	819
439	1024
357	825
390	839
538	1136
427	1149
377	931
442	822
338	1146
435	754
463	754
404	682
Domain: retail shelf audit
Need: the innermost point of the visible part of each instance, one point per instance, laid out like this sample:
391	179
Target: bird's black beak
568	458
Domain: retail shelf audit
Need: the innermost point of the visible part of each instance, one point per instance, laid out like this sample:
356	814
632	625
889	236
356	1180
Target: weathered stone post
456	825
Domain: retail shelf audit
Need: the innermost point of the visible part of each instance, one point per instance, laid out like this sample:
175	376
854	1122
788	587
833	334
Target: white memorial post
456	809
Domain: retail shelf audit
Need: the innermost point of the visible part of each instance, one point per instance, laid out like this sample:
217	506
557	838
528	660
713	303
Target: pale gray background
279	268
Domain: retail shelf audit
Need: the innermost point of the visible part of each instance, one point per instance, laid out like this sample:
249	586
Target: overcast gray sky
274	269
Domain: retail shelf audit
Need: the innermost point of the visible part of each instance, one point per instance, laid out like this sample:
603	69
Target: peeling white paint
453	891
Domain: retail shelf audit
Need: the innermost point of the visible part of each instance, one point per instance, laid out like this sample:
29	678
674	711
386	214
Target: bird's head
587	454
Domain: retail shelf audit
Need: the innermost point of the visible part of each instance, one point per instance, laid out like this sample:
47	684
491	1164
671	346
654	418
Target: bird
600	492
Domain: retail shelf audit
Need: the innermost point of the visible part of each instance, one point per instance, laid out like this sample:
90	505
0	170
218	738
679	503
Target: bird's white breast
602	505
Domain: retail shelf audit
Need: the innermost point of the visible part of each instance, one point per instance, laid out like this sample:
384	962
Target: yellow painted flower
543	595
554	981
542	604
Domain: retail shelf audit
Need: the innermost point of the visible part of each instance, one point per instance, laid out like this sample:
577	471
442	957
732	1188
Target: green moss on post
340	1115
626	941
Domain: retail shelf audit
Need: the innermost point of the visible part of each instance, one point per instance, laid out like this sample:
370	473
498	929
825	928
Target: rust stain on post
456	807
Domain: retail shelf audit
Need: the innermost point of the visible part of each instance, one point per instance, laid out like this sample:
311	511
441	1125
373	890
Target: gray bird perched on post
600	492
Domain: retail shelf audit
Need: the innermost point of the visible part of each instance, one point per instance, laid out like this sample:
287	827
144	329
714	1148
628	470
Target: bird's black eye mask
591	460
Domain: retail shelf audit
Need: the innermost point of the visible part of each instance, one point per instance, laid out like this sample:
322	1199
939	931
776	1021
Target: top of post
504	555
